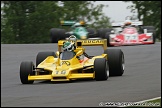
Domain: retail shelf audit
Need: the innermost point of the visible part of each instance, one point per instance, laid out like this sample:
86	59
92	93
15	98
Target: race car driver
127	24
73	27
69	46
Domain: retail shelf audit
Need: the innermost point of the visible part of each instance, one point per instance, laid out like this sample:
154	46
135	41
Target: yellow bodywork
66	70
89	42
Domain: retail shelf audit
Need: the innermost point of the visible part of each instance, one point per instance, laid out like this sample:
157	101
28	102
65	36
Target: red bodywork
130	36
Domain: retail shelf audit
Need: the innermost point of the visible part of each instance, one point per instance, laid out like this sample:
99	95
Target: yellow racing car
66	66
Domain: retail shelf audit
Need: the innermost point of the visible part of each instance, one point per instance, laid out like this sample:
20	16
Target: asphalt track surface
140	81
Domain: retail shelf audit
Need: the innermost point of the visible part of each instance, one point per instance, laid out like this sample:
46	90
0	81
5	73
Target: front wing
62	78
60	75
118	40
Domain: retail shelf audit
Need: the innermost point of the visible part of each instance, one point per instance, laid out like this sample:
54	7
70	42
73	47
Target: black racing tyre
54	35
26	69
154	35
42	56
116	61
99	32
102	32
61	34
105	31
107	36
92	32
101	69
150	29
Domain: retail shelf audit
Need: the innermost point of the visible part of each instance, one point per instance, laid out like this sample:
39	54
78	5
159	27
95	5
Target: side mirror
79	53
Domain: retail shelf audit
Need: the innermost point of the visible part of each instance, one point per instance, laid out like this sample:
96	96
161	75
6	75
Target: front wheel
116	61
43	55
101	69
26	69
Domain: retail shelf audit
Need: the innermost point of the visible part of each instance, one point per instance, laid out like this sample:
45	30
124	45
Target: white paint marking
148	100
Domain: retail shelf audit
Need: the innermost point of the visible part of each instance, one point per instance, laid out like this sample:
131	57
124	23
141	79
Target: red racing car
133	34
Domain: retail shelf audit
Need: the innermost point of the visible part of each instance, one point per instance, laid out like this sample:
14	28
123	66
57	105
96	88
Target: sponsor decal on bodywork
88	41
65	62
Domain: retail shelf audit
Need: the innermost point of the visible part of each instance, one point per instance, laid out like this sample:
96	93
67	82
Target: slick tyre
26	69
99	32
91	32
151	29
107	36
43	55
101	69
61	34
102	32
54	35
116	61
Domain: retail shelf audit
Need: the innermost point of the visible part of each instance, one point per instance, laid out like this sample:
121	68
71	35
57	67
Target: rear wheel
91	33
107	36
61	34
26	69
150	29
101	69
42	56
103	31
54	35
116	61
99	32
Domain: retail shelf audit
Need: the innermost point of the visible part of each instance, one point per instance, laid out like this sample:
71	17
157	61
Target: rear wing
88	42
119	24
67	23
70	23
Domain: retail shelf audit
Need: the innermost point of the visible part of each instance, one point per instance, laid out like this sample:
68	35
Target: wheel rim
123	63
107	69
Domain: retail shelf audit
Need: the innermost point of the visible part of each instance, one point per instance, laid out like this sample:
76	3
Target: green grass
152	103
156	102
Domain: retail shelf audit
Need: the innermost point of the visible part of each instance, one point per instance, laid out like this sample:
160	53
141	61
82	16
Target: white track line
141	101
148	100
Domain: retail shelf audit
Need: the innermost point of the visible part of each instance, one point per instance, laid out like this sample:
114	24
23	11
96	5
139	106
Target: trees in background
30	21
